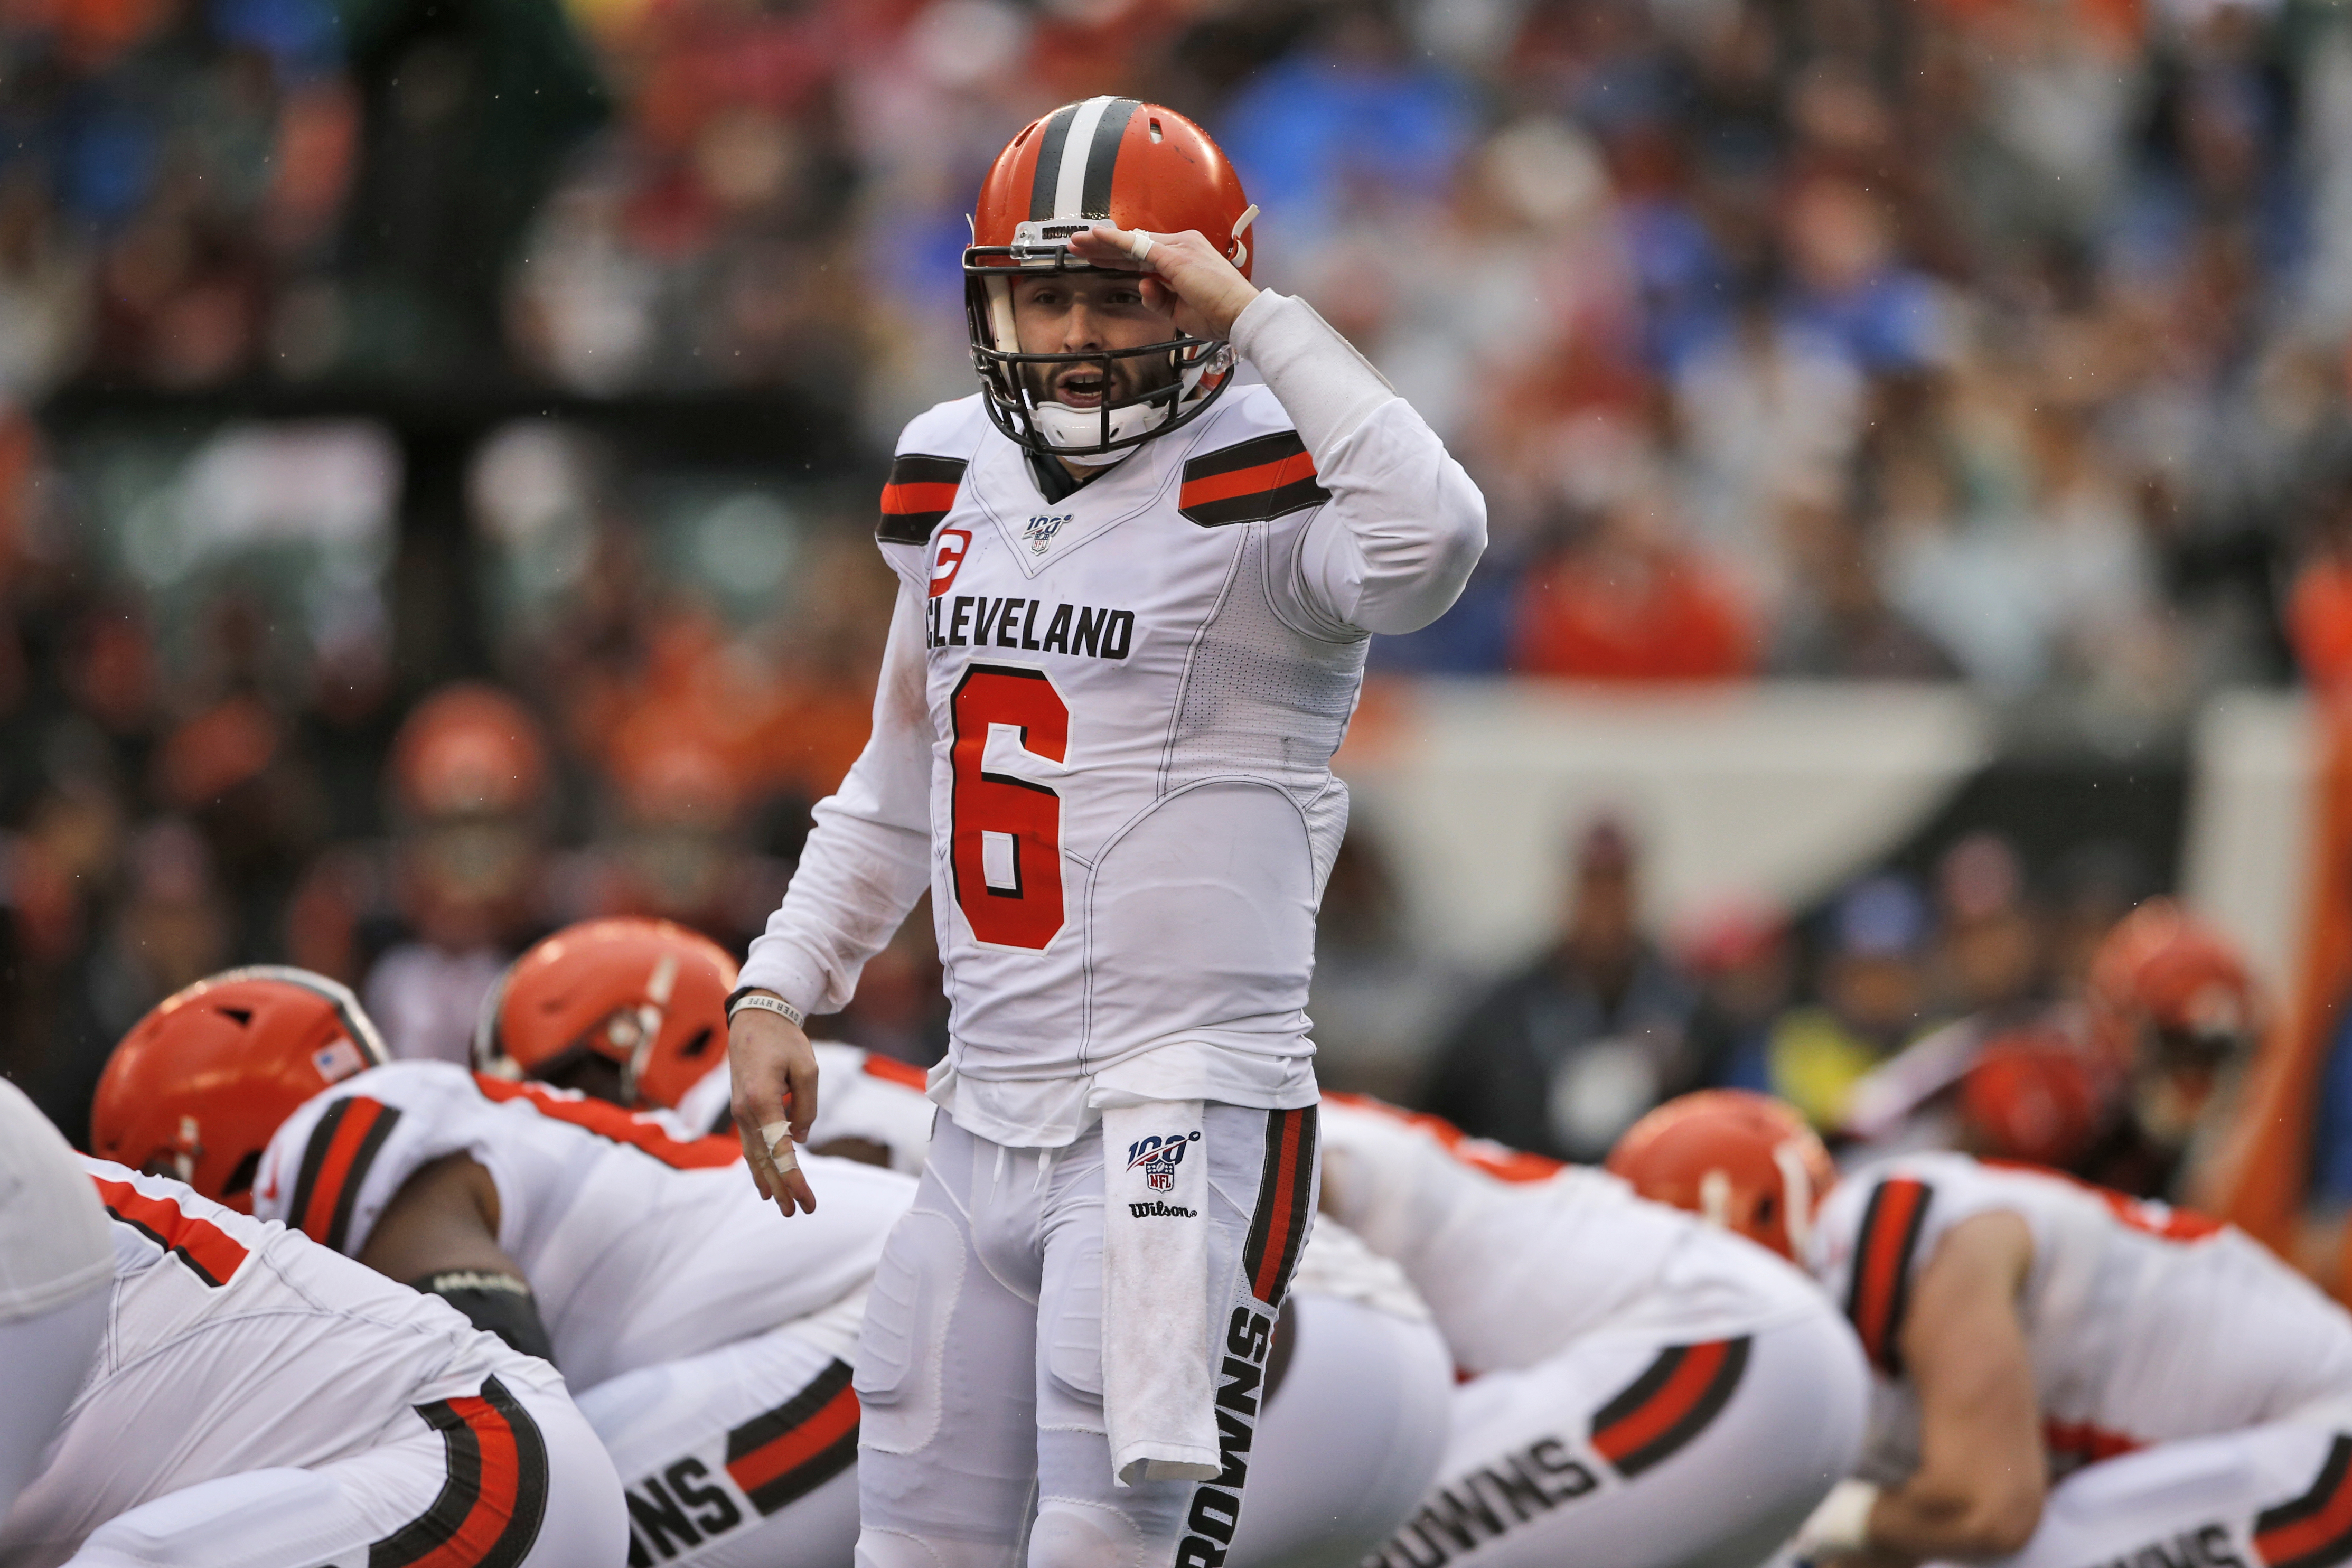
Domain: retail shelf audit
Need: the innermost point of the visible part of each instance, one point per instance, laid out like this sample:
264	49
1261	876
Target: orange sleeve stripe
211	1252
892	1069
913	499
337	1169
1882	1266
1271	476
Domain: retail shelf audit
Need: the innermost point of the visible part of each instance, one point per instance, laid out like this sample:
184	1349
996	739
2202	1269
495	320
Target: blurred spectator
469	783
1566	1054
1379	996
1624	599
1990	951
1873	997
1740	955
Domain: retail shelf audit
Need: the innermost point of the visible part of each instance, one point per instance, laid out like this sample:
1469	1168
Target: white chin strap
1065	426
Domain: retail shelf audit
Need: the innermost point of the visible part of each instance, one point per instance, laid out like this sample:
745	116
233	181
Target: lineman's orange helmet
1142	167
198	1086
649	995
1745	1161
2166	982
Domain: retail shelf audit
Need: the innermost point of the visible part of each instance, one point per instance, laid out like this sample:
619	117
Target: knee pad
897	1549
252	1521
1070	1534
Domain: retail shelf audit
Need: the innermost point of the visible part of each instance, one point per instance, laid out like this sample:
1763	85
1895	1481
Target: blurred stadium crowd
1989	340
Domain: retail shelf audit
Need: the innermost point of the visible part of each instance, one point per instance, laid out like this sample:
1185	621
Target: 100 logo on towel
1159	1157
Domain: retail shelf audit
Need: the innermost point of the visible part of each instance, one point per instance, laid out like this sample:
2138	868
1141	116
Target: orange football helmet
1745	1161
2032	1094
1137	165
647	995
198	1086
2165	981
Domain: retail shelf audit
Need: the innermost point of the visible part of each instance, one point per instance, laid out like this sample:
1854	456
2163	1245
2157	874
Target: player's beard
1130	377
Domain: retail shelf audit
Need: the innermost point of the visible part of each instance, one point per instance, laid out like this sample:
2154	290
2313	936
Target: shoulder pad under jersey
330	1170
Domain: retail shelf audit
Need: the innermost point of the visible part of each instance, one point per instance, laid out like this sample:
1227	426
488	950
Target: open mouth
1081	388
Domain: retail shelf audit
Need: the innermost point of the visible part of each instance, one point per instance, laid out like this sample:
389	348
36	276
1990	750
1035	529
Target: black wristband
496	1304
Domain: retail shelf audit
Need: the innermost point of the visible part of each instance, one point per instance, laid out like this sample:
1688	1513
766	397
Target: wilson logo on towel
1160	1157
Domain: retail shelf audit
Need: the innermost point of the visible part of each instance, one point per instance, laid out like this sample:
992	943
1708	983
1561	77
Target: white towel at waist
1158	1334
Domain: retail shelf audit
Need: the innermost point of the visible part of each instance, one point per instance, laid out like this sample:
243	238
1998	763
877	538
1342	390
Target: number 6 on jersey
1005	833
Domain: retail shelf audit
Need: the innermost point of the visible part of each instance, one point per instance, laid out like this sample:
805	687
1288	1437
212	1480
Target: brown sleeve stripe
1670	1404
783	1455
1266	477
2313	1531
490	1507
1286	1204
919	493
335	1166
1881	1289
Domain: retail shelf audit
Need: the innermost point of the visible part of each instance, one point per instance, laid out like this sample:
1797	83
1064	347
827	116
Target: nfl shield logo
1159	1157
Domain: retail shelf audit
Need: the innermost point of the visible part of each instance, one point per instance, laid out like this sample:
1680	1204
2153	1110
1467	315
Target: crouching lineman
1645	1392
1356	1382
258	1402
634	1011
2189	1397
710	1346
56	1262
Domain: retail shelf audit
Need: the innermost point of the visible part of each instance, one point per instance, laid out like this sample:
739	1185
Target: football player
709	1350
257	1402
634	1011
1356	1382
1641	1391
1134	604
2066	1376
54	1264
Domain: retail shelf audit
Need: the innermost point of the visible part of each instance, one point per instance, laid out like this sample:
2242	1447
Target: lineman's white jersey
1104	730
1519	1256
860	1094
233	1345
641	1247
2145	1323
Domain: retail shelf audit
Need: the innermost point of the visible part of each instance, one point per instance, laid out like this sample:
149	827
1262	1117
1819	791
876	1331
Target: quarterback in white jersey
711	1351
1134	603
1357	1382
1642	1390
2066	1376
258	1402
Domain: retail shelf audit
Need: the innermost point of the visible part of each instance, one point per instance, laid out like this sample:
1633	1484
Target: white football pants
2272	1497
511	1477
1626	1451
980	1368
744	1457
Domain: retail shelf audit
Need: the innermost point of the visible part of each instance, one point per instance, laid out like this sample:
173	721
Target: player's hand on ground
1184	278
774	1069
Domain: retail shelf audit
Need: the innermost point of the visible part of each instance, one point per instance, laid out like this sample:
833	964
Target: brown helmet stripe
1048	172
1102	157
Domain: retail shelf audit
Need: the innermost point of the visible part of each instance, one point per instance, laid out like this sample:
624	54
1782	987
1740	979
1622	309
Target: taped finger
778	1137
1138	245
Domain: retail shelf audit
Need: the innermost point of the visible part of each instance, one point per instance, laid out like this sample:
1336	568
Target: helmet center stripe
1077	148
1102	157
1050	144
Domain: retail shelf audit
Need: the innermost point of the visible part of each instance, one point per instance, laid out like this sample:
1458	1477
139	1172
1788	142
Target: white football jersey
2144	1323
1519	1256
641	1247
1104	734
860	1094
235	1344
